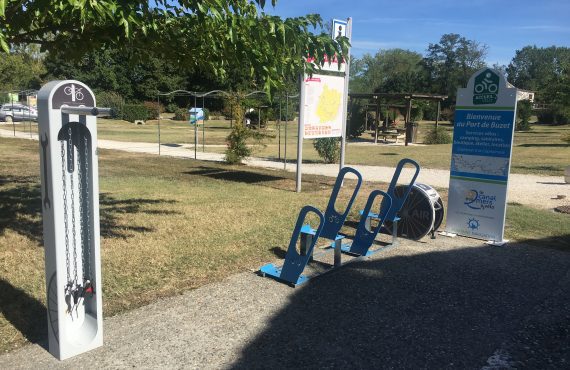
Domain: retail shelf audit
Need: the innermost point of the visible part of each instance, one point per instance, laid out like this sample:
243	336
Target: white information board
322	100
481	157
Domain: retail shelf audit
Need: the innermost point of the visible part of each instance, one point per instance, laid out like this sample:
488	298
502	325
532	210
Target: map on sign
323	106
494	166
328	104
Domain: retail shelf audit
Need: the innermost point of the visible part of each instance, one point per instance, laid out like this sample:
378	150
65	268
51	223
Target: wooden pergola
407	98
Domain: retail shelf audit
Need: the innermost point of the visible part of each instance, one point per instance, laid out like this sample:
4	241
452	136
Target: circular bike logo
72	94
486	88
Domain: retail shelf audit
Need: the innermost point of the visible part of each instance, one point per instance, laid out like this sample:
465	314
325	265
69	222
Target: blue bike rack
329	227
365	235
296	262
334	220
397	201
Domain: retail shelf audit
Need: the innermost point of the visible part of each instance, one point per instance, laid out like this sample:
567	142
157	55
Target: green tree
118	70
524	112
328	148
21	69
451	62
391	71
542	70
206	35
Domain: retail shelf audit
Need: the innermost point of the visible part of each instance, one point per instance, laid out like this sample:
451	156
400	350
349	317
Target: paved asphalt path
436	304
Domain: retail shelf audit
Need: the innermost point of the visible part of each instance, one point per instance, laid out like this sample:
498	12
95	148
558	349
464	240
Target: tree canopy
540	69
211	35
390	71
451	62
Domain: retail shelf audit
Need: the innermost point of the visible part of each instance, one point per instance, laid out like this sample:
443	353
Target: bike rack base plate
274	272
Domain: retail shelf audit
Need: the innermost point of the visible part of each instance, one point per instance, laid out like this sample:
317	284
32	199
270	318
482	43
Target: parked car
17	112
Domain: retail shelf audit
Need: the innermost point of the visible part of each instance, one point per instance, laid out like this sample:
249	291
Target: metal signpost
70	204
481	157
323	101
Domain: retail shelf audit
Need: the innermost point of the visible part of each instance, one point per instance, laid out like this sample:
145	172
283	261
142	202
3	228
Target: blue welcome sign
481	156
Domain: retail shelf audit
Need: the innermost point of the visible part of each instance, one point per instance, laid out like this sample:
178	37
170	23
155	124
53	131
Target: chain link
73	223
65	217
82	227
87	274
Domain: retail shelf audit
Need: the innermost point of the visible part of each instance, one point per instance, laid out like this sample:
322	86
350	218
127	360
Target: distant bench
391	135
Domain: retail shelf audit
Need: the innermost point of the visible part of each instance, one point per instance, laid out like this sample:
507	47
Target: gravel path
537	191
444	303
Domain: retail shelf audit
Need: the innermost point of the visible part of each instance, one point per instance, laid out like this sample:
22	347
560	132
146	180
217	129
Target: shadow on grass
552	183
21	210
558	242
445	309
543	145
538	168
293	161
25	313
246	177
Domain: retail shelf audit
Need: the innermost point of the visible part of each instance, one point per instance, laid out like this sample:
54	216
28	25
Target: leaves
214	35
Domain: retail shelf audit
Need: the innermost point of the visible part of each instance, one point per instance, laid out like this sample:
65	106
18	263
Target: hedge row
133	112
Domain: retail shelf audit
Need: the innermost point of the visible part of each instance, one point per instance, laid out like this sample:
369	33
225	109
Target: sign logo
479	200
486	88
473	224
338	28
75	92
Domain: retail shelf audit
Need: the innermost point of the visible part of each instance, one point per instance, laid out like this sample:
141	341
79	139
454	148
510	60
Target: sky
505	26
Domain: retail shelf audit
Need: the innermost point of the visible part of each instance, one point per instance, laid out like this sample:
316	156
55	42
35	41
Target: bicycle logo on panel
486	85
486	88
74	92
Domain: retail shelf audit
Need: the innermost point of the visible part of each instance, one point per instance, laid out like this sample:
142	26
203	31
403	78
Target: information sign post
481	157
323	101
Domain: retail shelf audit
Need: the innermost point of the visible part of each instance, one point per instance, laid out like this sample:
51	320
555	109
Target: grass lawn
169	225
539	151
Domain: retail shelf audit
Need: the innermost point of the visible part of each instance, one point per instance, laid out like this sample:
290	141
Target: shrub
152	108
254	118
430	111
437	136
448	114
171	108
357	119
181	114
110	99
417	113
215	114
328	148
237	148
134	112
287	116
555	115
524	112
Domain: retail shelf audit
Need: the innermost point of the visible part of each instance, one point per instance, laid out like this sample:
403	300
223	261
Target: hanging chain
81	206
73	223
65	217
87	244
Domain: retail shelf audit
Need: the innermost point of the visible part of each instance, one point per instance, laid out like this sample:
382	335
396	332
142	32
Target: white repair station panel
67	120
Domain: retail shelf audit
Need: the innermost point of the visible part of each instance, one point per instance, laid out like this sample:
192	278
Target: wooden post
408	119
377	121
438	112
